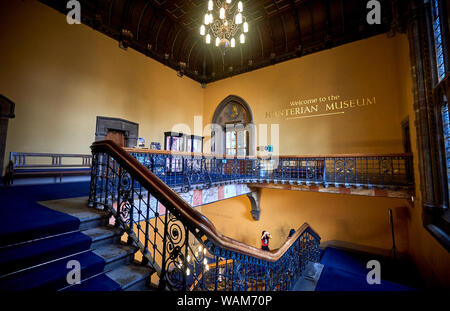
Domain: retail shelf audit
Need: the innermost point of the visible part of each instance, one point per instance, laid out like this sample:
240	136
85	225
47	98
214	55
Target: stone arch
232	111
223	115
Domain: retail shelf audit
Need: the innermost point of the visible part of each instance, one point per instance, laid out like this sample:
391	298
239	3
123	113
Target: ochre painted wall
359	220
365	68
378	66
62	77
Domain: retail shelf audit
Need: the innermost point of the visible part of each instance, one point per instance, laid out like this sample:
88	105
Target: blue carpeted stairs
36	242
346	271
22	219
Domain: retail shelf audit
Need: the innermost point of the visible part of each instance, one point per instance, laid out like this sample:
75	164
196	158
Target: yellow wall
62	77
355	219
365	68
379	67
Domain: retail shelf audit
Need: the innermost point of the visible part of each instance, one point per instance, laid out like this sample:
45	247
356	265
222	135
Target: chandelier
224	23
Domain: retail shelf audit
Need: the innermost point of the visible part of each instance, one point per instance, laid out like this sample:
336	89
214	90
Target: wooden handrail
169	197
222	156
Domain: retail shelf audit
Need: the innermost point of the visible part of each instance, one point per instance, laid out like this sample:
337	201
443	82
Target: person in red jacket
265	240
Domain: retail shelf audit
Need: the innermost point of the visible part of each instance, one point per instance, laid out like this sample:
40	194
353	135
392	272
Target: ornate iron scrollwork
386	166
125	181
125	211
175	262
239	276
345	167
126	199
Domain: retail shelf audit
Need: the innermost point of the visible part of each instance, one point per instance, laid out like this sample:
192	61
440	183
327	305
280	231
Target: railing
182	245
183	170
49	160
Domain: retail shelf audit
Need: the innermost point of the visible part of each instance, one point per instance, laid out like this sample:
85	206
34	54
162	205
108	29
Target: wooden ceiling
168	31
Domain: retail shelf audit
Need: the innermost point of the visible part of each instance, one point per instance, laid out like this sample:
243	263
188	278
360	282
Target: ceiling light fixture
224	23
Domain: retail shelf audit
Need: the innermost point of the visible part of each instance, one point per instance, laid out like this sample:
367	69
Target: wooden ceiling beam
276	27
138	28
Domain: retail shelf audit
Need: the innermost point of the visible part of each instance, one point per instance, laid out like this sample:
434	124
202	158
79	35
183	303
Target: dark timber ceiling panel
168	30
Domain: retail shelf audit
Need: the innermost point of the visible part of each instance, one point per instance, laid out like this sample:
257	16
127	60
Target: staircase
42	235
107	264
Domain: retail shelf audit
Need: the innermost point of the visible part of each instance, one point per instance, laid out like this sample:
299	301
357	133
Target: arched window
441	91
437	188
232	128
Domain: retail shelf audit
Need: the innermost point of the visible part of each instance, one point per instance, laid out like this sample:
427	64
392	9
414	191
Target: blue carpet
52	276
22	220
30	254
346	271
44	192
347	261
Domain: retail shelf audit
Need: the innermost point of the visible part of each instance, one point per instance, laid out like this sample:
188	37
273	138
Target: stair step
115	255
309	278
27	221
99	282
131	277
106	263
78	207
103	236
52	276
24	255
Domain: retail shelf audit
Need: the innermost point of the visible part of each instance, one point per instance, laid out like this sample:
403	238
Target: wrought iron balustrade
183	246
183	170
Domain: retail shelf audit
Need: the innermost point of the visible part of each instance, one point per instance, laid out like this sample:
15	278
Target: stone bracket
254	197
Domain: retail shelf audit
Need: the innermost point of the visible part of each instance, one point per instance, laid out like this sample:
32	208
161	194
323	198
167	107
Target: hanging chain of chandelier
224	24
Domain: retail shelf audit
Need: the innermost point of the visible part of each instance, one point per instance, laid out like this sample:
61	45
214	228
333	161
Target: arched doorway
233	131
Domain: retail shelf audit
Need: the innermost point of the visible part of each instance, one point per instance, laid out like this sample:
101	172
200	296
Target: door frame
6	112
131	129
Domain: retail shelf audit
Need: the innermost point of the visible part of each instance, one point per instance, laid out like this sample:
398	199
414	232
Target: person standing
265	240
291	233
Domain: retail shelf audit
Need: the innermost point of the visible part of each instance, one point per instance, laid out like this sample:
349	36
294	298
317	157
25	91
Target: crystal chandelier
224	23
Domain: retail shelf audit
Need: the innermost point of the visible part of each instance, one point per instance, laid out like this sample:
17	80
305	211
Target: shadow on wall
353	219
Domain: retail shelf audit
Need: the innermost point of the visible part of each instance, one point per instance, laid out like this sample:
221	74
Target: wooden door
116	136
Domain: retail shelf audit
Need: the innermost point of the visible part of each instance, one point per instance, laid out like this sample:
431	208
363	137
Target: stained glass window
437	31
446	130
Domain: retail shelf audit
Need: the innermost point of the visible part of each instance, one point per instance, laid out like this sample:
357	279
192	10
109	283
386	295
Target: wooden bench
27	165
